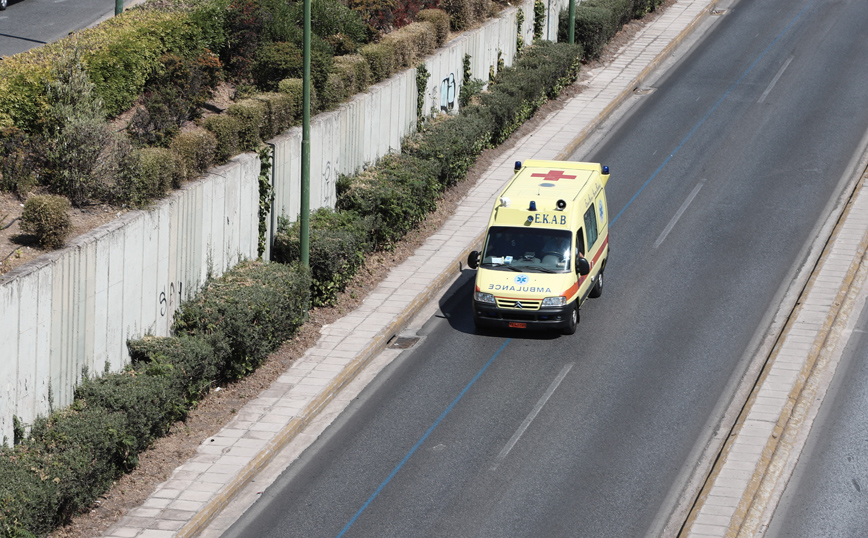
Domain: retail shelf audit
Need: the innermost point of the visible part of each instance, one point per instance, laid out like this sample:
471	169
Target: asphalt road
826	496
30	23
722	174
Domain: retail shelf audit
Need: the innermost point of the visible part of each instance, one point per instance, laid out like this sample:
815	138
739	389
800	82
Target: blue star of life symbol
521	279
601	211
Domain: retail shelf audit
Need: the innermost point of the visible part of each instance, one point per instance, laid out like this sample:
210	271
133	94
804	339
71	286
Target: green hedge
339	241
248	313
71	457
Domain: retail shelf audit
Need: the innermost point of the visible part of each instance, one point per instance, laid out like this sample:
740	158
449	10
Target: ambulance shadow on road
456	308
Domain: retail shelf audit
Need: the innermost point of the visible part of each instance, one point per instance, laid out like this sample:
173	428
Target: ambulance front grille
521	304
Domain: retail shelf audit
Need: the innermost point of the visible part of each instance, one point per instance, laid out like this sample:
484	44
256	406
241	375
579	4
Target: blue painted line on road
711	111
424	437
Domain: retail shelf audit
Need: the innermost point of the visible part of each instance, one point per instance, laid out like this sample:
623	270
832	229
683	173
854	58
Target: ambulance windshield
527	249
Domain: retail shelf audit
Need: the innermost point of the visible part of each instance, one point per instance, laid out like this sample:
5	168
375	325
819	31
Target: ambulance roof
550	180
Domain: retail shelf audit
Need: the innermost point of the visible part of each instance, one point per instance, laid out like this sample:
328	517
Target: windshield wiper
492	264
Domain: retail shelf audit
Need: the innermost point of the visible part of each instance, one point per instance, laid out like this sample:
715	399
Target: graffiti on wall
167	301
448	89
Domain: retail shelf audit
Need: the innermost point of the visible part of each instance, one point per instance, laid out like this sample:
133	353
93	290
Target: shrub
148	404
461	14
595	27
381	60
123	51
17	162
70	458
411	42
339	242
196	149
401	190
278	113
293	88
45	216
451	144
250	114
174	94
159	169
190	362
355	71
247	313
274	62
440	20
75	132
330	18
225	128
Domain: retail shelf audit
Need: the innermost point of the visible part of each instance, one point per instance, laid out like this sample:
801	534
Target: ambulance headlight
554	301
482	297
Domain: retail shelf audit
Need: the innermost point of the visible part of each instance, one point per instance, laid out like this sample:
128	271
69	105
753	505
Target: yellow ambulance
545	249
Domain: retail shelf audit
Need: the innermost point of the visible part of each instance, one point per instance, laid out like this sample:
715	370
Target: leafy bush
45	216
247	313
75	132
17	162
293	88
190	362
339	242
412	42
381	60
330	18
277	113
451	144
401	190
274	62
250	114
195	149
596	24
160	170
174	94
123	51
440	20
226	129
69	459
355	71
461	14
147	403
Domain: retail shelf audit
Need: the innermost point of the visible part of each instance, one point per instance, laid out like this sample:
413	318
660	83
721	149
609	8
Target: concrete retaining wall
74	309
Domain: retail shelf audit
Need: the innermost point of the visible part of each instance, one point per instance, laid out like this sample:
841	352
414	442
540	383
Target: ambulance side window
591	225
580	243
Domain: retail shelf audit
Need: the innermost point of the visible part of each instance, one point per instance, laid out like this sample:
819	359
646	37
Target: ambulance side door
592	252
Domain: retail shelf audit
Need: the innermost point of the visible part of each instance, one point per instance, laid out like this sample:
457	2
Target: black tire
597	290
3	4
574	322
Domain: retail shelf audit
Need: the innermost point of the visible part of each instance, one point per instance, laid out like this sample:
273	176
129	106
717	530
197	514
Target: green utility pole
119	7
572	27
305	144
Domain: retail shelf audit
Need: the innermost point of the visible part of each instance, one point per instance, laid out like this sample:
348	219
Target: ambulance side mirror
583	266
473	260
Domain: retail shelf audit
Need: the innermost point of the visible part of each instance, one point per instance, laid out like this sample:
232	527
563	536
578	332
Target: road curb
800	399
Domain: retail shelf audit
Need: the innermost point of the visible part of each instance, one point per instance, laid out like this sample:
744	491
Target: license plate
517	325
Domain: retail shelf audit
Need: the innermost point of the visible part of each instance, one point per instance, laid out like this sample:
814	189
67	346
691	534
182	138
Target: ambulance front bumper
546	317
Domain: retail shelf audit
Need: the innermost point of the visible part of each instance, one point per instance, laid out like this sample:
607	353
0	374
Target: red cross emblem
553	175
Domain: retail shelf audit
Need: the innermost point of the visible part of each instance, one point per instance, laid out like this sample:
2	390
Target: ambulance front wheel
574	321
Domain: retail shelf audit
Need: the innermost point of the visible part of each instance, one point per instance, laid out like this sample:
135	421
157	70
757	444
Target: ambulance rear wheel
574	322
597	290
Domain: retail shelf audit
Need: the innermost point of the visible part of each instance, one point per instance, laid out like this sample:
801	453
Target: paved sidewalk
201	487
756	463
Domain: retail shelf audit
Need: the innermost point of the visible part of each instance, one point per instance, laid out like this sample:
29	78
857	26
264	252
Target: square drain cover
403	342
